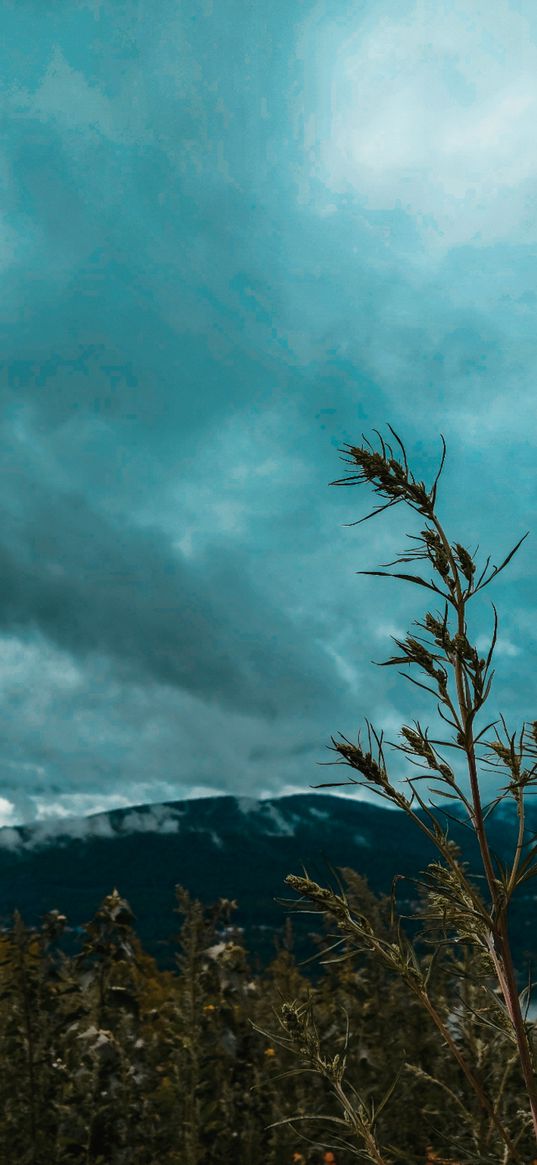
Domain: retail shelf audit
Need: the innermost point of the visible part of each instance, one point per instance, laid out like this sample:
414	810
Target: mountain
233	847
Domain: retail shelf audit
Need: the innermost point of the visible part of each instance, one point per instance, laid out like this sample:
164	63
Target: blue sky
235	235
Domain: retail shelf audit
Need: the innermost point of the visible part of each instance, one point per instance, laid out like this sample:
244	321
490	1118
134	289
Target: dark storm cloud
92	586
235	236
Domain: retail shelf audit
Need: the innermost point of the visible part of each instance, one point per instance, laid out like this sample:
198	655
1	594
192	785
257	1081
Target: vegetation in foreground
483	1025
110	1061
412	1045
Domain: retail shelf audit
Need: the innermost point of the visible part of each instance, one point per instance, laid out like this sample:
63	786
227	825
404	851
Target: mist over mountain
234	847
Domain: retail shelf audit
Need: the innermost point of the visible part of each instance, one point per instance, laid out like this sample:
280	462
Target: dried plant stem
500	947
511	885
509	1065
507	980
353	929
471	1077
359	1127
460	680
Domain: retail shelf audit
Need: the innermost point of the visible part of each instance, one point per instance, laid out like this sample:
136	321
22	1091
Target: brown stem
513	1004
422	994
519	844
472	1079
466	722
500	945
361	1127
446	853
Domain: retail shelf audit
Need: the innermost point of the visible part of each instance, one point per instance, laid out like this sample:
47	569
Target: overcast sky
235	235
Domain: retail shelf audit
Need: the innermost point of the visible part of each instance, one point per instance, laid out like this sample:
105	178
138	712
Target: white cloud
7	811
67	806
24	661
79	740
10	839
434	110
157	819
58	819
386	631
503	646
348	673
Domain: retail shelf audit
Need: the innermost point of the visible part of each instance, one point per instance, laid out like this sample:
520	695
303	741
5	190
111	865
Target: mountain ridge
222	846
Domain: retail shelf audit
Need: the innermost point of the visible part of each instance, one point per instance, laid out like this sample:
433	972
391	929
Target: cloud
502	647
66	99
93	585
57	823
157	819
223	259
7	811
108	741
433	109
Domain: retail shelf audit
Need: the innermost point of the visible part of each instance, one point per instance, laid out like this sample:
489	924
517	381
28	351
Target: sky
235	236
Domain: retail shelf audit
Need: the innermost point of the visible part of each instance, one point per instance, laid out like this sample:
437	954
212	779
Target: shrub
459	969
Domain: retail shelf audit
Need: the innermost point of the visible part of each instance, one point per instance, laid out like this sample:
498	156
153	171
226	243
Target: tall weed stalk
445	663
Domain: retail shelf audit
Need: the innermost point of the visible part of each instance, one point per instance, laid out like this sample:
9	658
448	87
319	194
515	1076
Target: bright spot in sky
434	110
7	811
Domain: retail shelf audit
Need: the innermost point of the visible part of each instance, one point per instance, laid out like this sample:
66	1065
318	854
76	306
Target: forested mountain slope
229	847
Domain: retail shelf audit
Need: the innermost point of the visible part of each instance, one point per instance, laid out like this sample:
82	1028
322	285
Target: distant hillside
222	846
